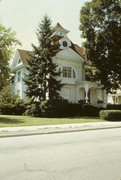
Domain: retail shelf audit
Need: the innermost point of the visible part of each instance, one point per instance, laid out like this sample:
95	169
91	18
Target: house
71	63
115	98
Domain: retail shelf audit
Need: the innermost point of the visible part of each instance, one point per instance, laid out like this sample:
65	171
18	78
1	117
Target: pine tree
41	81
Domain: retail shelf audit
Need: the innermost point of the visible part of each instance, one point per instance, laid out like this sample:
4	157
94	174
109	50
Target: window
18	93
68	72
19	76
74	74
59	71
65	44
116	99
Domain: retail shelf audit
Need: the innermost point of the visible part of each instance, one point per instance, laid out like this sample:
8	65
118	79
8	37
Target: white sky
23	16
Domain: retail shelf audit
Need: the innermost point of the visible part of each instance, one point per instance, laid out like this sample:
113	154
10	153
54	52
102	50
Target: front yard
9	121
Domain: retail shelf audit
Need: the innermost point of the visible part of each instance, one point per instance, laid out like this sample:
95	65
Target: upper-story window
18	93
19	76
67	72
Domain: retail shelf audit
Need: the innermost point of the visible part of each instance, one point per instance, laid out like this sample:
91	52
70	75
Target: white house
71	62
115	98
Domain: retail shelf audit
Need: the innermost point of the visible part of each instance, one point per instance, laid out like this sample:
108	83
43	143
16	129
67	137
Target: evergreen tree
7	43
41	81
101	27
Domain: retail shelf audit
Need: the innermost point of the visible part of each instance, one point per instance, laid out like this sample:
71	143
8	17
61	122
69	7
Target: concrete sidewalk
51	129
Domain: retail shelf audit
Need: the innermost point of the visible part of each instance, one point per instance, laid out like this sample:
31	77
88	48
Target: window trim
68	73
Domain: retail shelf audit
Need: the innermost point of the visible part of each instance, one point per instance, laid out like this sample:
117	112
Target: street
86	155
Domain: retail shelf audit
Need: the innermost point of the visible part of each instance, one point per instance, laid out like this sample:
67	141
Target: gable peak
60	31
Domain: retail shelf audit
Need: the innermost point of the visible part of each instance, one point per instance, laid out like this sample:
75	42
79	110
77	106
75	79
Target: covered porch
91	93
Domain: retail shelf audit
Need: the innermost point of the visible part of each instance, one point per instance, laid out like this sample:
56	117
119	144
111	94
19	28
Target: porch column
105	96
86	93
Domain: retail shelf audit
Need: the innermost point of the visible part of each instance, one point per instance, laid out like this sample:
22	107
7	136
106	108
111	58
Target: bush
113	107
91	110
57	108
112	115
10	104
60	108
33	109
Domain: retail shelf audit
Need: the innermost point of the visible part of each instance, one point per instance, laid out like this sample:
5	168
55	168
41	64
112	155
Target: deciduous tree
101	28
7	43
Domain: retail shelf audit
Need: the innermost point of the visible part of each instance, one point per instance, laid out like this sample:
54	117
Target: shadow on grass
84	117
7	120
112	120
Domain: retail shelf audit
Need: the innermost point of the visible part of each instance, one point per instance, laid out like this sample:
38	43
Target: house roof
59	27
78	49
24	55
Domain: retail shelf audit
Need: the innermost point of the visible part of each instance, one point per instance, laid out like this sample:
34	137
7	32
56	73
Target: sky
24	16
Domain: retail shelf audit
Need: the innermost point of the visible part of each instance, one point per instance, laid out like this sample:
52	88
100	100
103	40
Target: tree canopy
7	43
100	24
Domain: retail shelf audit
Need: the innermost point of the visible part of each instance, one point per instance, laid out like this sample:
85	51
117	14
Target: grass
14	121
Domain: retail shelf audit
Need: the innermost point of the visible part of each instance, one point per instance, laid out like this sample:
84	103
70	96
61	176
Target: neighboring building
71	62
115	98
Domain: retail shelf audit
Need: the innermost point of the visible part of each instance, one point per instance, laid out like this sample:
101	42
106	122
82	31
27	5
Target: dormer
60	31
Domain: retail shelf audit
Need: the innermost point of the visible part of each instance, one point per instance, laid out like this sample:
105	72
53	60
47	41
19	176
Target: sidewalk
52	129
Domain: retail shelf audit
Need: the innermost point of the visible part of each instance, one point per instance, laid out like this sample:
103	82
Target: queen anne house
71	62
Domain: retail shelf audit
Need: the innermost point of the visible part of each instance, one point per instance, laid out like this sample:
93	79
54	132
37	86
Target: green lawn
9	121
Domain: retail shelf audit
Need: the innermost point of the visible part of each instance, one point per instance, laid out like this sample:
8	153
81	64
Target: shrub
113	115
33	109
56	108
60	108
9	103
19	107
113	107
91	110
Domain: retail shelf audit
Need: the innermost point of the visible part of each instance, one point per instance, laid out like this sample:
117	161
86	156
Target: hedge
113	107
112	115
91	110
62	108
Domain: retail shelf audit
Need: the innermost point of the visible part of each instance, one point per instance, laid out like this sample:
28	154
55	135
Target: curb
7	135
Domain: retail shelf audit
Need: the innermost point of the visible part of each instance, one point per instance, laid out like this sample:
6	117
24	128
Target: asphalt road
90	155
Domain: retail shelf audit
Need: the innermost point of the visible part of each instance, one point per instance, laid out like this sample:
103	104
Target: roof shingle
59	27
24	55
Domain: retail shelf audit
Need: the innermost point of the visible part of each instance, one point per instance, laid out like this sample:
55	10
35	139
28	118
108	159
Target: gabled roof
24	55
59	27
78	49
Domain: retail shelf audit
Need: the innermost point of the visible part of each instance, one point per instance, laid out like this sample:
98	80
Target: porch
91	93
